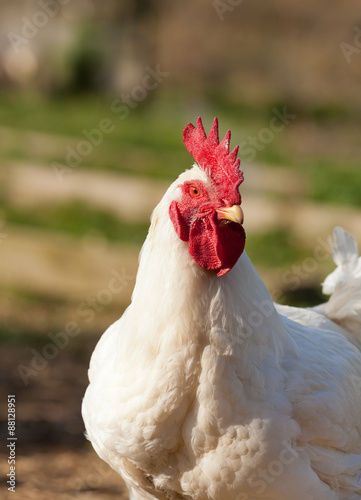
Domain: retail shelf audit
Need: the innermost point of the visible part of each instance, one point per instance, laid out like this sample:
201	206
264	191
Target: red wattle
216	247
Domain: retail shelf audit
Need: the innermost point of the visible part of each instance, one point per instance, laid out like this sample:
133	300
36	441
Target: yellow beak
234	213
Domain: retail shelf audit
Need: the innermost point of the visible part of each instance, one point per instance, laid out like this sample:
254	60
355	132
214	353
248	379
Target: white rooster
204	389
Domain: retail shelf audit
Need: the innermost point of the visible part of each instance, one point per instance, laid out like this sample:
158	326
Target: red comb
214	157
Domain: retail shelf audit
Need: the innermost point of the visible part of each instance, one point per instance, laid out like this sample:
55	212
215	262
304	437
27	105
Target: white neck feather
176	302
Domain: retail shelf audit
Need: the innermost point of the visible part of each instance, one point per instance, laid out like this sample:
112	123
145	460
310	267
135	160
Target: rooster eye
194	192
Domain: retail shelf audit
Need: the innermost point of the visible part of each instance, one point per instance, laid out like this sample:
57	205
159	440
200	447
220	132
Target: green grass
148	142
328	113
15	335
304	296
334	183
139	161
68	116
275	249
280	250
78	219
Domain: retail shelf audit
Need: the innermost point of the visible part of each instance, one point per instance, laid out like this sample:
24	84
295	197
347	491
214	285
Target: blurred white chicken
204	389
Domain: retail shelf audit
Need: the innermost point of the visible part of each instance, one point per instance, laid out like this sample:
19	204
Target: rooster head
207	212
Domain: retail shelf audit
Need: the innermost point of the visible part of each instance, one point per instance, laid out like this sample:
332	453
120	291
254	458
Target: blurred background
93	100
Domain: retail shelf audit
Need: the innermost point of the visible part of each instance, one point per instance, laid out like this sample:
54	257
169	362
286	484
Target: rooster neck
185	304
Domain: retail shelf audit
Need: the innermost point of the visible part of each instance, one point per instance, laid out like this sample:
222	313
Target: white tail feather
344	284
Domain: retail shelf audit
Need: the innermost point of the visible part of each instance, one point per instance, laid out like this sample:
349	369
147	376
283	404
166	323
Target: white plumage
205	390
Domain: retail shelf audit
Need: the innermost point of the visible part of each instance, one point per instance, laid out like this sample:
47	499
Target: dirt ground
64	474
53	459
